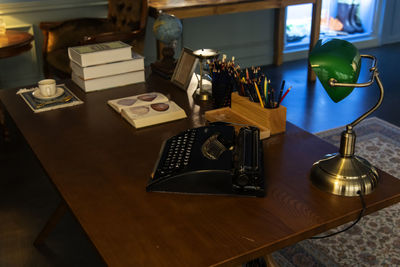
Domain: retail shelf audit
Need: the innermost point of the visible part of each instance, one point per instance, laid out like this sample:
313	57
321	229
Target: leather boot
355	20
343	15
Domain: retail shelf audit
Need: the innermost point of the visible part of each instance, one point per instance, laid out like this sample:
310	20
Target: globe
167	28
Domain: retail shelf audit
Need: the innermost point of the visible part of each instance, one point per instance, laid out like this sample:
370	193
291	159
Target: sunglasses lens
126	102
139	110
160	106
147	97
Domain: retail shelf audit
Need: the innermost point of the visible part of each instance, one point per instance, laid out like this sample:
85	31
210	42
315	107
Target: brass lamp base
344	176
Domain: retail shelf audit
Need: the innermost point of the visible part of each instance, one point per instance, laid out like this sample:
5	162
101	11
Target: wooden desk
13	43
100	165
197	8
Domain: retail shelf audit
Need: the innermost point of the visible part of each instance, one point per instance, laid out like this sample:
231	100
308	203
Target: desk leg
4	132
270	261
315	25
266	261
51	223
3	128
279	35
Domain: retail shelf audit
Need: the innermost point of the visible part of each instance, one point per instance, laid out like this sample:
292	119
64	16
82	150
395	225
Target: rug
375	239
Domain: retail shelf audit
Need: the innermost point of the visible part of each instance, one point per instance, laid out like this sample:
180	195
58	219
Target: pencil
265	88
259	96
284	95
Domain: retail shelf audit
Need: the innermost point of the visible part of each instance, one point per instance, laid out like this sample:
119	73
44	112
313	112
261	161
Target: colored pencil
265	89
259	96
284	95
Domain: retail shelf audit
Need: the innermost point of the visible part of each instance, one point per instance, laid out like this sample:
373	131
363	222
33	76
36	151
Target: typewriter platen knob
242	179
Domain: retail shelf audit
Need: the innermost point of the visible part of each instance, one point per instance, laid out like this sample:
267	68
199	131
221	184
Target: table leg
314	36
3	128
266	261
279	35
270	261
51	223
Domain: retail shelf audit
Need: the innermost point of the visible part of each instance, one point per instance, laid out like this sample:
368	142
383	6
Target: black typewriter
211	160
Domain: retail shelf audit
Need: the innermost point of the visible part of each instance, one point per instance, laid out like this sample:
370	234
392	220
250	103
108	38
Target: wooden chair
126	22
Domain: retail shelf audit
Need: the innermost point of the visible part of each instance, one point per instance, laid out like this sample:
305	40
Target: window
339	19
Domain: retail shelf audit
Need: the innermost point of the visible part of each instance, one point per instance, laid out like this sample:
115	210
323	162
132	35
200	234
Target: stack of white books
105	65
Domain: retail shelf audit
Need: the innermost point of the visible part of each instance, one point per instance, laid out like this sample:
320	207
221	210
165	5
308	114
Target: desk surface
13	43
100	165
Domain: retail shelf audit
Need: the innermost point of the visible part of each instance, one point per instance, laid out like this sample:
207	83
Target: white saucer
38	95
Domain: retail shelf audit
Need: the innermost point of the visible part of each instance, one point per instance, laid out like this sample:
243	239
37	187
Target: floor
27	198
309	107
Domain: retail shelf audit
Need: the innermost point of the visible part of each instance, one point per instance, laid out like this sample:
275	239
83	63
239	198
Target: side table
12	43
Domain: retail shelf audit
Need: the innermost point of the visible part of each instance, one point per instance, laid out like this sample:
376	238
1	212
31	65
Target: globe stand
166	66
167	29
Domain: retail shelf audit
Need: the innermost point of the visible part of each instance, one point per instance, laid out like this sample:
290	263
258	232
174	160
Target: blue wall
390	30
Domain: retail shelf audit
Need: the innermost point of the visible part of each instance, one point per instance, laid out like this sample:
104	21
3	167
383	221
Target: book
95	54
107	69
106	82
147	109
137	100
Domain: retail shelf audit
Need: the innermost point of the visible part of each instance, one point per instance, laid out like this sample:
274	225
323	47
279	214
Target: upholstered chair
126	22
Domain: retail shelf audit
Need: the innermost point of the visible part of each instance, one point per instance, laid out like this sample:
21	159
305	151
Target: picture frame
184	69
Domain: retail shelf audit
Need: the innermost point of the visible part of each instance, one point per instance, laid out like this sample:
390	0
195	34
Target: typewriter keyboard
176	154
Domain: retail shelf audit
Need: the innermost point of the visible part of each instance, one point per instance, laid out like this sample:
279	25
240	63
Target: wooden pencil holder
272	118
243	111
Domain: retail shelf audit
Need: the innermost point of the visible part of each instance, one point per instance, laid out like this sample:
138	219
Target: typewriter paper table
102	166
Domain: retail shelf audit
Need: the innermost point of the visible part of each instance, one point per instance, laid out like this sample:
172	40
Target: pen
280	92
269	99
272	97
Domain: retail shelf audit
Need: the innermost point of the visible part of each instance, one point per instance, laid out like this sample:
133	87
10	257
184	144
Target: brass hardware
344	173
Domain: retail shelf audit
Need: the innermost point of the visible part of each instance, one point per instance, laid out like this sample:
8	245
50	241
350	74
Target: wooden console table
184	9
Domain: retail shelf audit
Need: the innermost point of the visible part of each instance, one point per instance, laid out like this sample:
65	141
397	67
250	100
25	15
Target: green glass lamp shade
337	59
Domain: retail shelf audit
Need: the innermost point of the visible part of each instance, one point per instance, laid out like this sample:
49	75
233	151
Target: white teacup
47	87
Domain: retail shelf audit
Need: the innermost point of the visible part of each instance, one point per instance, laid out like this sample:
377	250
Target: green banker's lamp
337	65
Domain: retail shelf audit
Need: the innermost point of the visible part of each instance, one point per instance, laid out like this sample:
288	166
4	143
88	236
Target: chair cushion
59	60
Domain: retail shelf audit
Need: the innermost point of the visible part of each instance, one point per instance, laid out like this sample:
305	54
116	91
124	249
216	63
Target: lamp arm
381	93
333	82
374	77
